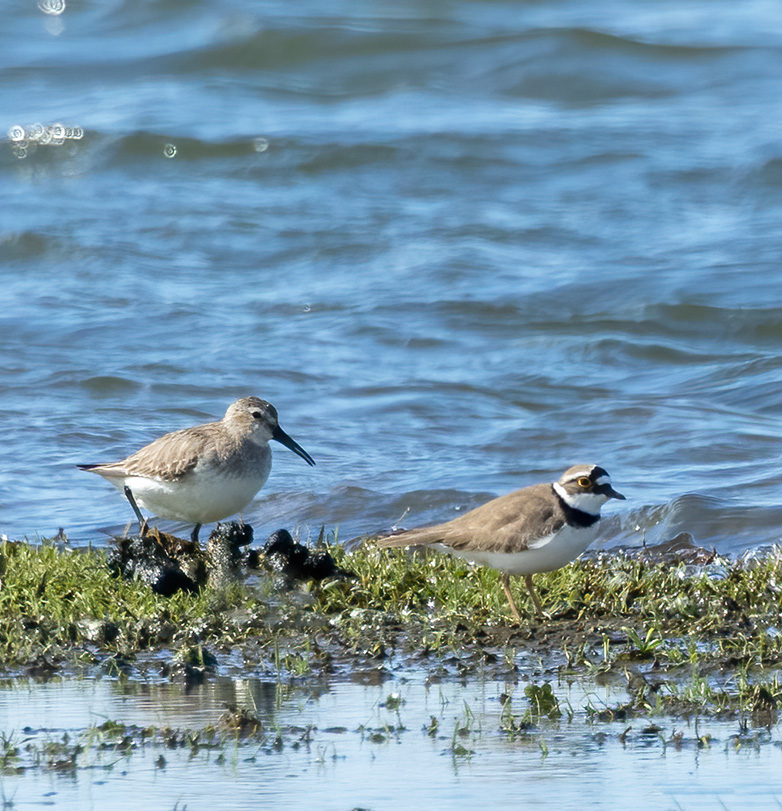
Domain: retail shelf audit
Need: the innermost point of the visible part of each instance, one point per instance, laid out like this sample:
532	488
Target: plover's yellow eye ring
584	481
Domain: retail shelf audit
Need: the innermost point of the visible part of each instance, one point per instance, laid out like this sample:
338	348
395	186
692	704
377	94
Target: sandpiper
535	529
204	473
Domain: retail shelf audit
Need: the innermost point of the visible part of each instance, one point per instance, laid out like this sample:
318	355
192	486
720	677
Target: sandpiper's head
256	417
586	488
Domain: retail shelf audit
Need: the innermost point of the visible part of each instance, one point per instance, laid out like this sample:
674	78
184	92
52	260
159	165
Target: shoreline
686	637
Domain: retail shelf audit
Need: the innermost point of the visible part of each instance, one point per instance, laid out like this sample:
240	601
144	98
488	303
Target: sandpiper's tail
107	471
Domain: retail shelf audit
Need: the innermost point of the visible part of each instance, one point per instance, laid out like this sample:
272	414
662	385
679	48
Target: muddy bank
683	631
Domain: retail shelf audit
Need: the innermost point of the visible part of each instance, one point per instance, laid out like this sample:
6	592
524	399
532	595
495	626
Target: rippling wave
458	248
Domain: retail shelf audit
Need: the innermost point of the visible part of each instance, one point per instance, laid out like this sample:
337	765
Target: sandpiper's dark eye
257	415
584	481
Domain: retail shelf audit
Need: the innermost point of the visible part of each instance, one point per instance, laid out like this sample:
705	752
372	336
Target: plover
205	473
535	529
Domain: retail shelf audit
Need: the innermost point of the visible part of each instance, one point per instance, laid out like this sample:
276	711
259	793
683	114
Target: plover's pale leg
142	522
531	590
505	580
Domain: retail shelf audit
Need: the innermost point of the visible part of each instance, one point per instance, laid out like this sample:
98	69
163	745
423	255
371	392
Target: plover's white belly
547	554
201	498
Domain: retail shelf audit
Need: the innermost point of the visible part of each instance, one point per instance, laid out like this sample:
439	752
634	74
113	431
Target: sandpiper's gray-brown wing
168	458
510	523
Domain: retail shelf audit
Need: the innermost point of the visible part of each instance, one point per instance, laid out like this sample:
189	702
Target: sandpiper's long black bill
292	445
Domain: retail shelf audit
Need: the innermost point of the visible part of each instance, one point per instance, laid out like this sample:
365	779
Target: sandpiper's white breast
545	555
206	495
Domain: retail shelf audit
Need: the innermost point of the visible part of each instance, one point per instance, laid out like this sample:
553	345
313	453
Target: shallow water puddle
348	745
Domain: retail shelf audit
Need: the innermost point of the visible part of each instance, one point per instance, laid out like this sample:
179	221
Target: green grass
54	600
608	616
683	641
723	603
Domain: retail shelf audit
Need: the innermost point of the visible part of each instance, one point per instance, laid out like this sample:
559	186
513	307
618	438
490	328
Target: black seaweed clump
292	561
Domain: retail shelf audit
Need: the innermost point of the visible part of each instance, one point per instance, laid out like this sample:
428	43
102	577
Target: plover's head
586	488
258	419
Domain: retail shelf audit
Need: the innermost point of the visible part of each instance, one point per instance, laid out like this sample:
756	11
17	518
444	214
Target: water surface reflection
345	745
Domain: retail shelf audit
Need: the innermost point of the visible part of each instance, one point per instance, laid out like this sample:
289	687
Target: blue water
459	245
342	747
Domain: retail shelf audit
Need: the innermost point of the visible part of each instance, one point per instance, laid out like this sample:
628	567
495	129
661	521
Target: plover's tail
413	537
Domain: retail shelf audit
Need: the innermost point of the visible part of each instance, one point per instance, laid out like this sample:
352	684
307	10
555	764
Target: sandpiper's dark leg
531	590
505	580
194	533
142	522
